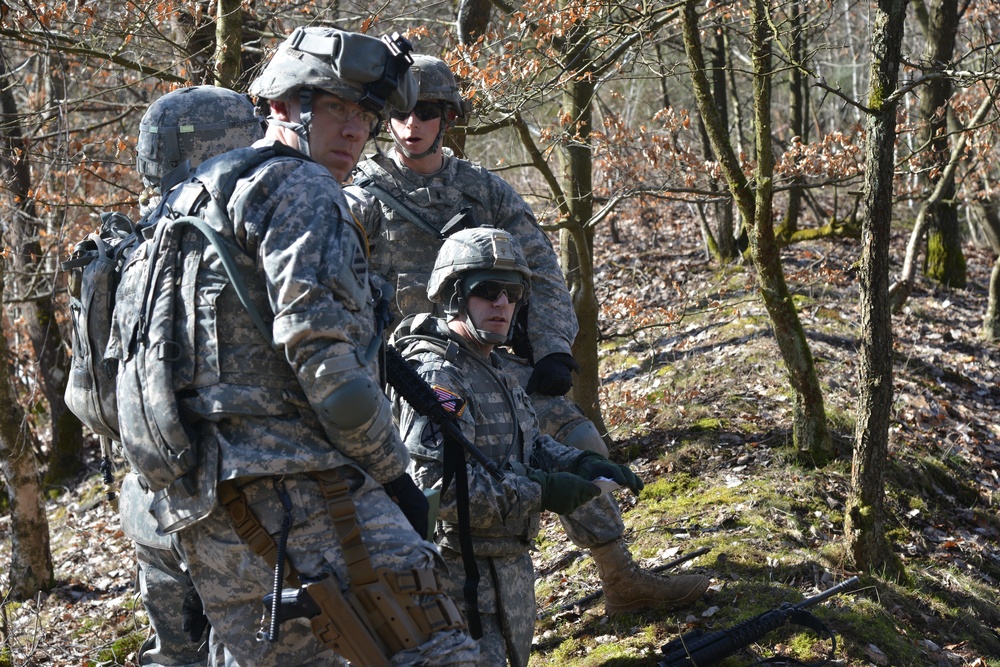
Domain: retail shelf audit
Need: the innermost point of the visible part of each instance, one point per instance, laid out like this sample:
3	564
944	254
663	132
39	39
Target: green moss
120	649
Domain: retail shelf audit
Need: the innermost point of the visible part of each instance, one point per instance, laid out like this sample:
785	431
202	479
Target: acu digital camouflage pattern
504	516
302	262
482	249
193	124
435	83
404	252
232	579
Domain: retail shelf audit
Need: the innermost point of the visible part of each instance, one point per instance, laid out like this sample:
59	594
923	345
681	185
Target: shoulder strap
396	205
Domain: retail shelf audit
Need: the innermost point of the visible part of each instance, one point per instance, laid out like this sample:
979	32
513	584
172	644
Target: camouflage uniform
503	515
403	213
188	124
269	415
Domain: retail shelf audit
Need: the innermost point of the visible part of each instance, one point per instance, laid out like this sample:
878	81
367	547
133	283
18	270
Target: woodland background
819	175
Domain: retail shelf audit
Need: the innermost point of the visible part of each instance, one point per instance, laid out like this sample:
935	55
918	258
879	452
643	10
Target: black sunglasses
424	111
492	289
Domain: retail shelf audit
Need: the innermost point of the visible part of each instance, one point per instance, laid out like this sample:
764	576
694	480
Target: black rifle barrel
696	649
415	391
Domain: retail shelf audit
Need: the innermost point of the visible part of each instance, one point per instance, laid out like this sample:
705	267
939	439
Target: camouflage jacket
498	418
303	262
403	251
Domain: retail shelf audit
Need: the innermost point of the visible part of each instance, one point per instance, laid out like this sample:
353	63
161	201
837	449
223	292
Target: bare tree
864	523
754	201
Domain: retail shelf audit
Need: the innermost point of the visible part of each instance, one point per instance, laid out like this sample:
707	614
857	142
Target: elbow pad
356	403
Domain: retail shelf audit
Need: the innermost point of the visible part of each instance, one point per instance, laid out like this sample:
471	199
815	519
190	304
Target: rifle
696	649
415	391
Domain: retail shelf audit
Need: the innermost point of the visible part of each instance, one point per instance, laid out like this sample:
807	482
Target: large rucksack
95	267
158	436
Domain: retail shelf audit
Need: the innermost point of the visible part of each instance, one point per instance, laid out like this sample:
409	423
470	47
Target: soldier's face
418	130
494	316
337	133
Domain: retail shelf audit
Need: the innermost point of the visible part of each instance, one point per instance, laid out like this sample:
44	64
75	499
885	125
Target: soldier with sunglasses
409	200
481	280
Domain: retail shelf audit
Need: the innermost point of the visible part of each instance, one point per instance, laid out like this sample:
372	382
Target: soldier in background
409	200
302	475
481	279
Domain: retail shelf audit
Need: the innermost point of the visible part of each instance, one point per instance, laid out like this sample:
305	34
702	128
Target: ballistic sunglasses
423	111
492	289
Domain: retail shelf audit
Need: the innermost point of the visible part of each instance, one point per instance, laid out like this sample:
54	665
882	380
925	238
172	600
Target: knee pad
582	435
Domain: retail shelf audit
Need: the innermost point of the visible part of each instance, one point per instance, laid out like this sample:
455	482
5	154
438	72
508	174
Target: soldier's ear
281	110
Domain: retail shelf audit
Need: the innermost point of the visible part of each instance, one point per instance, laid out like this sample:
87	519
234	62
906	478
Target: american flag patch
451	402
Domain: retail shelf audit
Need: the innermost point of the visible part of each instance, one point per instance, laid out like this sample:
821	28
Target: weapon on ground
696	649
415	391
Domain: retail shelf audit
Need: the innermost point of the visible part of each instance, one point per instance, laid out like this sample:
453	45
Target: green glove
563	492
591	465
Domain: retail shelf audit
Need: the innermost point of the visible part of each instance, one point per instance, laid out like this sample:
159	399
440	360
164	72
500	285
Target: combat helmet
193	124
470	257
358	68
435	84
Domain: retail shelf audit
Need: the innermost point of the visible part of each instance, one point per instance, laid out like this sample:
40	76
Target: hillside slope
698	402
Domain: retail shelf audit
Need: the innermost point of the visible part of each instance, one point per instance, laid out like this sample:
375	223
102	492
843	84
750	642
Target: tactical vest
503	415
406	253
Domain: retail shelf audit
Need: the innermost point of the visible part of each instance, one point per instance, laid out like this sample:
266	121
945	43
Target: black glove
193	619
405	493
591	465
563	492
553	374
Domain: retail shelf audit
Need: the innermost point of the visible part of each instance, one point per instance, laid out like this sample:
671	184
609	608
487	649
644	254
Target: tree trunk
945	259
577	240
864	523
34	291
988	214
30	556
810	431
799	103
228	43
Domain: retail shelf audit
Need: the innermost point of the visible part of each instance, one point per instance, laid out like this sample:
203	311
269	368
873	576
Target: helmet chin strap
417	156
301	128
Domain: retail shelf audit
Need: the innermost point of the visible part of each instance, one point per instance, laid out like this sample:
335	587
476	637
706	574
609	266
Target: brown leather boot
628	587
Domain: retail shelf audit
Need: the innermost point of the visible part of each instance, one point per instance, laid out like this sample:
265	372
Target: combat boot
628	587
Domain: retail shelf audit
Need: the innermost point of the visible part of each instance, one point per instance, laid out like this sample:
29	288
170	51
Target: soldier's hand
193	619
563	492
553	374
405	493
592	465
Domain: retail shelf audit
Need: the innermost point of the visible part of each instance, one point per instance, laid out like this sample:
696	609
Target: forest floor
697	401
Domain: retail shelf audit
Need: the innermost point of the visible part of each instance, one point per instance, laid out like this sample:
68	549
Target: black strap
454	468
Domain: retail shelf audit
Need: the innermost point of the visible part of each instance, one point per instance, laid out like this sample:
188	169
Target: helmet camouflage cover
480	253
436	82
355	67
193	124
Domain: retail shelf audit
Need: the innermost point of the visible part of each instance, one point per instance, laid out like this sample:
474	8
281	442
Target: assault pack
123	291
157	281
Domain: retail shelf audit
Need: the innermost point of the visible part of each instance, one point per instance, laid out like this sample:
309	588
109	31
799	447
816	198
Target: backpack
96	264
159	437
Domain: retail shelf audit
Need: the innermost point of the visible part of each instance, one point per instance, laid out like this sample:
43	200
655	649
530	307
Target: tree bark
577	240
864	523
810	432
945	259
799	103
30	556
228	43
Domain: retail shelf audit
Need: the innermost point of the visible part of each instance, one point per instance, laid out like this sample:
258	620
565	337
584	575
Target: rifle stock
696	649
415	391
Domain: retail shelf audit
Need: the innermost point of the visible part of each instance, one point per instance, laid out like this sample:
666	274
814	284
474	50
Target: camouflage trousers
162	581
599	521
232	580
506	605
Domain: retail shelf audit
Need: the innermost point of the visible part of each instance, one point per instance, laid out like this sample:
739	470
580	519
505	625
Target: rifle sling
808	620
